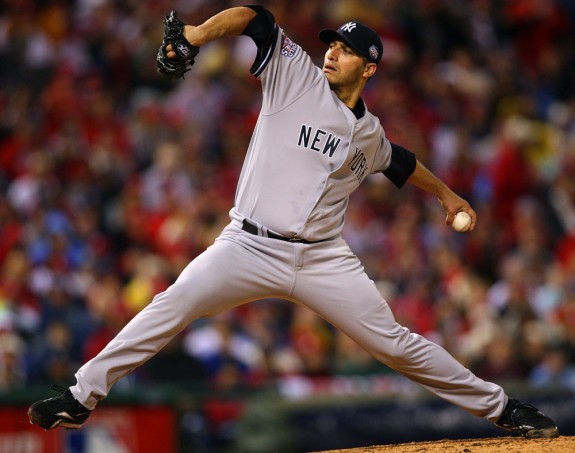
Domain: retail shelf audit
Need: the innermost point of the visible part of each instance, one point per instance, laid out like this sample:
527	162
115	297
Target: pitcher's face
344	67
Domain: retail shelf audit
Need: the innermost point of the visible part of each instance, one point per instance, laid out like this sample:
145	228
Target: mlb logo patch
289	48
373	52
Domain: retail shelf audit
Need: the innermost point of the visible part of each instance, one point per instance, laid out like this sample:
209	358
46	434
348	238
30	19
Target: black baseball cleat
526	420
62	411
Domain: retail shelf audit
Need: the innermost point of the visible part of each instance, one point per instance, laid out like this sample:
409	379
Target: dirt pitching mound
562	444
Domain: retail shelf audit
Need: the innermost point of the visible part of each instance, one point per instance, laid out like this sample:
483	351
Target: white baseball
461	222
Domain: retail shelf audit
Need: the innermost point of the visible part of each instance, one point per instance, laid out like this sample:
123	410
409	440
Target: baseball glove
175	68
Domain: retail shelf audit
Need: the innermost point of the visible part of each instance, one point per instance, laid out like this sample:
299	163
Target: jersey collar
359	109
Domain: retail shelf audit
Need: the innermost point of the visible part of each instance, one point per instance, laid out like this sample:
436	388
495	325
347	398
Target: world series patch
289	48
373	52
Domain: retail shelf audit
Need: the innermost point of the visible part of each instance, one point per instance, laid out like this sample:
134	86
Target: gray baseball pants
326	277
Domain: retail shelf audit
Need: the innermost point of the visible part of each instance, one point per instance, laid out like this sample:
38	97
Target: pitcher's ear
370	69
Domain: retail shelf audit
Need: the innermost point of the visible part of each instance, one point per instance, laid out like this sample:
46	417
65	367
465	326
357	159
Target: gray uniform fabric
308	151
307	154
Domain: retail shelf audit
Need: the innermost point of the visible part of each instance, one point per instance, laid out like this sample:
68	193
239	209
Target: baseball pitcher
314	143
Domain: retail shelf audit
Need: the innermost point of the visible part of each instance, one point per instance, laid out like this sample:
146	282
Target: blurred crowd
112	179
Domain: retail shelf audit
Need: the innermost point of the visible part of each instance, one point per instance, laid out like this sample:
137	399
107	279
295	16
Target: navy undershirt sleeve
402	165
263	31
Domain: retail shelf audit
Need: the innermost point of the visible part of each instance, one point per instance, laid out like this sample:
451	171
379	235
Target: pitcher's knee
399	347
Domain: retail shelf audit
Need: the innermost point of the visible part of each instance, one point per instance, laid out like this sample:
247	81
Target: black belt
253	229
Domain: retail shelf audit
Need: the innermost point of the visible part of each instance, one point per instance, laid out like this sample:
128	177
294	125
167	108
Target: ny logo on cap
349	26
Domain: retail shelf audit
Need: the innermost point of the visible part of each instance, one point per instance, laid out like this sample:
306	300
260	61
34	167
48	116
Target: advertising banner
110	429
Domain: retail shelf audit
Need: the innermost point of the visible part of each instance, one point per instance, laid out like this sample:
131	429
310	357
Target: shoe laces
60	389
67	398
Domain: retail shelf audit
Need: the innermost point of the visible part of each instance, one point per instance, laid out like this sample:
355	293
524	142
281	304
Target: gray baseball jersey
308	153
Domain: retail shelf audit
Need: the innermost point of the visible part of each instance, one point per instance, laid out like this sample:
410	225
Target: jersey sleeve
263	30
402	165
285	70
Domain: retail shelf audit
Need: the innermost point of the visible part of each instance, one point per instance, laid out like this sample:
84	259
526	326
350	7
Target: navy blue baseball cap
358	36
